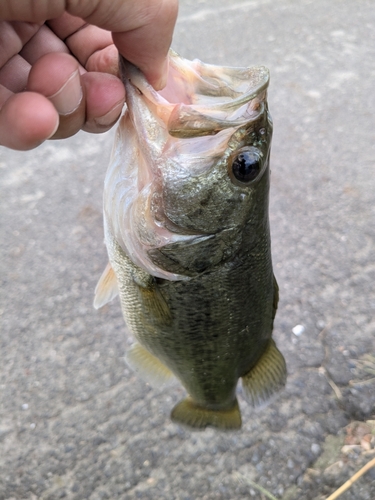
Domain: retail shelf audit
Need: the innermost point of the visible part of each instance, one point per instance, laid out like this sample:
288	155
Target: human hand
58	63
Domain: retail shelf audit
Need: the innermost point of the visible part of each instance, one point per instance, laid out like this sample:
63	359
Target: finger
65	25
5	94
92	101
43	42
70	123
39	11
82	39
143	30
105	61
92	46
26	120
57	77
105	97
147	45
15	73
13	36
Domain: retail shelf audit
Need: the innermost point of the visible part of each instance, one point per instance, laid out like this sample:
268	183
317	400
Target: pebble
315	448
298	330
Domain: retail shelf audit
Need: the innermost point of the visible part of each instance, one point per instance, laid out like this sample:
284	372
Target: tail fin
266	378
191	415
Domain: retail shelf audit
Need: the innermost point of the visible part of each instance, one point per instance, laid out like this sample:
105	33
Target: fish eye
246	165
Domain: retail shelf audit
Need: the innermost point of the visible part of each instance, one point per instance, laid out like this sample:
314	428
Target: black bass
187	234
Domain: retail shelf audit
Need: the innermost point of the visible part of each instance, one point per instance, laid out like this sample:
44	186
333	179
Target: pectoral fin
149	368
266	378
106	289
153	300
191	415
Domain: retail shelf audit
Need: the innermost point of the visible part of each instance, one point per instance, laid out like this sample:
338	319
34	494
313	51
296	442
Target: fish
187	234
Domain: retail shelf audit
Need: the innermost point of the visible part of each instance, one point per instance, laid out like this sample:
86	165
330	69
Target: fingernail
110	118
68	98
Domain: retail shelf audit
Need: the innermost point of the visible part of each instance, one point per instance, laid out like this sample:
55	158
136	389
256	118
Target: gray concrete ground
74	421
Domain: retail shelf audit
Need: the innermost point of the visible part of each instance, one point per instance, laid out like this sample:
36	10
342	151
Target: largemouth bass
187	234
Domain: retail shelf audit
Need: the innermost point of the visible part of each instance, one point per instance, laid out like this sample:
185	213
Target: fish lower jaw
139	246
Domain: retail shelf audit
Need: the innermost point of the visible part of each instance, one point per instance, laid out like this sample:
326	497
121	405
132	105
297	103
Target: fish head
189	168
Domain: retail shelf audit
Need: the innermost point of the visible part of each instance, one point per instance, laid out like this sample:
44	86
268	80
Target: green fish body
187	234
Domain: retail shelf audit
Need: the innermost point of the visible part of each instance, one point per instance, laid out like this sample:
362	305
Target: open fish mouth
166	138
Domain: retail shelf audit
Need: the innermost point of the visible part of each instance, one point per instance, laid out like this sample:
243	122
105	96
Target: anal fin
266	378
191	415
149	368
106	289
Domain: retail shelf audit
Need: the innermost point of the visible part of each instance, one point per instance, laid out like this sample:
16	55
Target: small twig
334	387
243	478
353	383
352	480
367	364
369	370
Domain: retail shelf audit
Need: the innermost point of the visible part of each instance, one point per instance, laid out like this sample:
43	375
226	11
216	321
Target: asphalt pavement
75	422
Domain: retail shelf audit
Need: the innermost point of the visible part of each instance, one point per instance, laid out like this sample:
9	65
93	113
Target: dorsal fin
106	289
